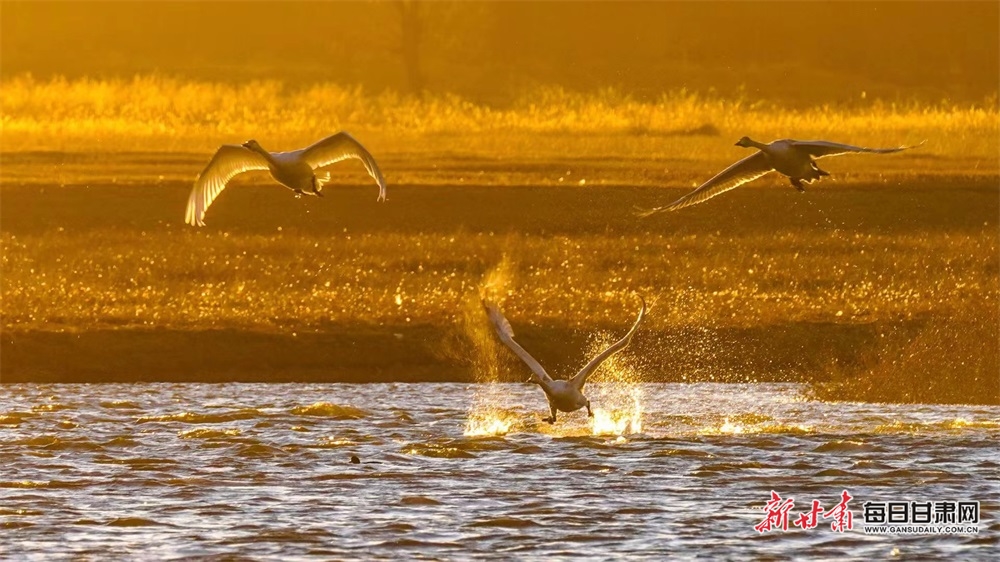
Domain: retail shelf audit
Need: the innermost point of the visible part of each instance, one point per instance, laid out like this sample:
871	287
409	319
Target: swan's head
745	142
252	145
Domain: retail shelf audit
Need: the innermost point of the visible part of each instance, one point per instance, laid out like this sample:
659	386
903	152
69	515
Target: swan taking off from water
295	170
563	395
792	158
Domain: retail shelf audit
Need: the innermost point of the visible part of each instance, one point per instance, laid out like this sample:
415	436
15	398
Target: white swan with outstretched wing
792	158
563	395
296	170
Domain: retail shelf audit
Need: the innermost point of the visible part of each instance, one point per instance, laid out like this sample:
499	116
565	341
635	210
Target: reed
152	112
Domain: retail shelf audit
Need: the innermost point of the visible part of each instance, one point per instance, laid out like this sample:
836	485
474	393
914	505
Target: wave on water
15	418
268	471
736	426
131	522
209	433
328	410
195	417
436	450
957	424
119	405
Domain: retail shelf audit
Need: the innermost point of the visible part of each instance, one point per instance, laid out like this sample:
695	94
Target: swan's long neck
267	155
757	145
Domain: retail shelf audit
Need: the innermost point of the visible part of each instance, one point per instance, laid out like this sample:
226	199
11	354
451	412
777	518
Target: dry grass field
879	283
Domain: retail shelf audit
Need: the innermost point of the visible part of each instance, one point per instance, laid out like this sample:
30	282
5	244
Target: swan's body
295	170
795	159
563	395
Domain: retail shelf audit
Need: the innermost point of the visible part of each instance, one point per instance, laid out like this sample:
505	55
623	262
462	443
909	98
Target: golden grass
279	282
159	113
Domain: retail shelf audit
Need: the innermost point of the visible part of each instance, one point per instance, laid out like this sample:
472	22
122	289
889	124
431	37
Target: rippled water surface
460	471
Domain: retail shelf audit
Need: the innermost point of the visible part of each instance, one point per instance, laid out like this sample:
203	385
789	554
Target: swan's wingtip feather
646	213
911	146
497	317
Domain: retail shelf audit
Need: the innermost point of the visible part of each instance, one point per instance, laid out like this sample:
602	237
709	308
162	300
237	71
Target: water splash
731	428
487	416
490	423
487	354
618	422
616	388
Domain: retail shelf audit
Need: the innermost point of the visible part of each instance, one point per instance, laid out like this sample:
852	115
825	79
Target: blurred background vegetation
795	53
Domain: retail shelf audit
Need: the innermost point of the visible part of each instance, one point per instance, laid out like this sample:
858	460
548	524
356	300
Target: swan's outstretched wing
506	334
342	146
748	169
229	161
822	149
581	378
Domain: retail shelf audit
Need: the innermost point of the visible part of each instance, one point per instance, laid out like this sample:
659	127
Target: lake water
455	471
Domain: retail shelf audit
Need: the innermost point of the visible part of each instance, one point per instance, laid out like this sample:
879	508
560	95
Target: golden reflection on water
208	433
750	423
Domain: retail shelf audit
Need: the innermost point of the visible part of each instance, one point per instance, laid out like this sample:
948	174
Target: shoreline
770	353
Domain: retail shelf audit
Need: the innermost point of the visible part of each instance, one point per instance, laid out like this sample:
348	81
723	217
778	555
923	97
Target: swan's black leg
590	413
315	186
552	418
798	184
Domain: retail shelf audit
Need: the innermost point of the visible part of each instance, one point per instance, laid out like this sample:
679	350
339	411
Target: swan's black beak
737	144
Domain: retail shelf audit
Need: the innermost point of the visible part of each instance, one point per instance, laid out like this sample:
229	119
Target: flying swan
792	158
295	170
563	395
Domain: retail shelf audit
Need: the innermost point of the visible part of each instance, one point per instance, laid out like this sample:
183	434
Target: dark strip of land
787	353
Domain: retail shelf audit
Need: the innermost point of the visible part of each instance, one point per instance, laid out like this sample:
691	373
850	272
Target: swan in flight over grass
795	159
563	395
295	170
